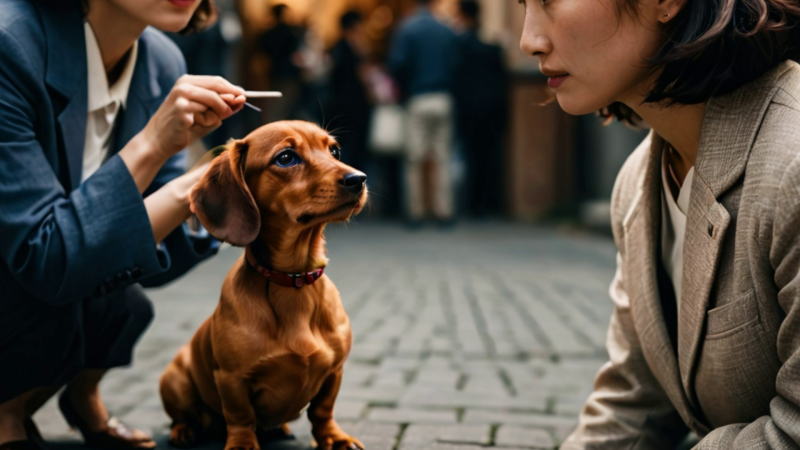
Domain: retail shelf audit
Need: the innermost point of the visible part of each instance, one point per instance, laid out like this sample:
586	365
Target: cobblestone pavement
487	336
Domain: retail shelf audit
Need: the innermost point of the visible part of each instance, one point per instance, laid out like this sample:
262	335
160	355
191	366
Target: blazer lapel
729	129
66	75
144	97
642	227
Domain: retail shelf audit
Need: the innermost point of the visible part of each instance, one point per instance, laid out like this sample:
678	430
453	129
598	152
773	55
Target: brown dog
279	337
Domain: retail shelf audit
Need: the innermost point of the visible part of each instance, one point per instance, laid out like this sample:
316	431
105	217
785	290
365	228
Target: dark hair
278	11
712	47
470	9
350	19
204	16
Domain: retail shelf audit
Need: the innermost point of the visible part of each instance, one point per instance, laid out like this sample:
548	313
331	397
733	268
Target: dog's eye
287	158
336	152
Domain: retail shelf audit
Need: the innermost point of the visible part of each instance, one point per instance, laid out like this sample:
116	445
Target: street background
479	328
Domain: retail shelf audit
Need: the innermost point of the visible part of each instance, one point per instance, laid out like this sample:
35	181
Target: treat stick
263	94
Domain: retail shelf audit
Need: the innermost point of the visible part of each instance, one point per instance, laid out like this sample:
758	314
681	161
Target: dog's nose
353	182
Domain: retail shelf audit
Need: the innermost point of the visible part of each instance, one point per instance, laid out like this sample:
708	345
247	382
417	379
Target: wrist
147	150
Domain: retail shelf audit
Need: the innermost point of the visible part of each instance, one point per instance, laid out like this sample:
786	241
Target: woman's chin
172	26
576	107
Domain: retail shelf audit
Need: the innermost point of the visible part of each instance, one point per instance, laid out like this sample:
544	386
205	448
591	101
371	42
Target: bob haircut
712	47
203	17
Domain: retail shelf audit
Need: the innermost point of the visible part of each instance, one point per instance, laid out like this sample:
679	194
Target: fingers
215	93
207	119
213	83
236	102
196	94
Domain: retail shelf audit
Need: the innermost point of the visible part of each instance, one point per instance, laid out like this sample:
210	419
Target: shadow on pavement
162	444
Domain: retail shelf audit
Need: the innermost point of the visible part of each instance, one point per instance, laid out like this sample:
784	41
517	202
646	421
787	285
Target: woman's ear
668	9
223	201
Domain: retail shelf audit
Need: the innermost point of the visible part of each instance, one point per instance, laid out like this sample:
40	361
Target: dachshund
279	337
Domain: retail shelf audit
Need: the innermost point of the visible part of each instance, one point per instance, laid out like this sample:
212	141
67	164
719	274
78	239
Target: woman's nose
533	40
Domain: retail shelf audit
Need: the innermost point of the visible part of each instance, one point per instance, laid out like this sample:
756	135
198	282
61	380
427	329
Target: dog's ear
223	202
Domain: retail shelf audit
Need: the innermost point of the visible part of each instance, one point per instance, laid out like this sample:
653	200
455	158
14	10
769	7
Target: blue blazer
62	241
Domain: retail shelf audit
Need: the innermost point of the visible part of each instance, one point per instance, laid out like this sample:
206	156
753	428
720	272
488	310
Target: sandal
115	435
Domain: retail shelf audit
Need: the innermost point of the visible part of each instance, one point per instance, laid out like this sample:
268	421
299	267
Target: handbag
387	129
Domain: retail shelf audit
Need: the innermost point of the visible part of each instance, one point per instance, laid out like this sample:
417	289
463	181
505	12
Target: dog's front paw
338	441
242	446
241	438
182	435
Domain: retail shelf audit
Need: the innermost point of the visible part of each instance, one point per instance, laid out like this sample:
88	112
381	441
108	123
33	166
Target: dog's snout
354	181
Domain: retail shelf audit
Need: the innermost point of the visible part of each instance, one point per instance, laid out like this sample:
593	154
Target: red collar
293	280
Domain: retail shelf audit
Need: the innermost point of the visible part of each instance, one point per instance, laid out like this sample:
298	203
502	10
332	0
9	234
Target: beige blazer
733	376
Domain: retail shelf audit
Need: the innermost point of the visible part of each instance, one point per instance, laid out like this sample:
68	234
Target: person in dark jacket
421	59
349	102
481	98
281	44
94	112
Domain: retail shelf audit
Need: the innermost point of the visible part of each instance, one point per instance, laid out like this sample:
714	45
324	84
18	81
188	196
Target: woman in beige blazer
705	333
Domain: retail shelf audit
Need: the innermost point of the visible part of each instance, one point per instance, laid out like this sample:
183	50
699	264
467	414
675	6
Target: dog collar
293	280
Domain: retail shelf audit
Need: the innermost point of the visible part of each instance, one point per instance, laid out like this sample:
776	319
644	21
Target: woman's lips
183	3
555	81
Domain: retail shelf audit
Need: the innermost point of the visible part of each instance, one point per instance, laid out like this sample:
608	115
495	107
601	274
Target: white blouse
104	103
673	226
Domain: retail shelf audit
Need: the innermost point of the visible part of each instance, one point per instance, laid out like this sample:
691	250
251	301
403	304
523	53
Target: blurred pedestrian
94	111
349	108
281	44
705	212
481	99
422	58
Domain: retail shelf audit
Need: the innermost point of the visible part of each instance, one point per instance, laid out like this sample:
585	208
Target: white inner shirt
104	103
673	225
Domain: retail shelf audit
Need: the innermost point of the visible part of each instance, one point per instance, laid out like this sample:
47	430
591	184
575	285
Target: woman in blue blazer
94	110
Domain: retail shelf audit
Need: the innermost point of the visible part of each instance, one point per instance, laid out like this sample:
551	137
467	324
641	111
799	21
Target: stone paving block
402	364
442	447
389	379
372	395
357	374
349	409
409	415
436	376
568	406
437	398
423	436
478	416
508	435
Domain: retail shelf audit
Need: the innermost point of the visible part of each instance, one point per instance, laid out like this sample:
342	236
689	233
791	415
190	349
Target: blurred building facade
554	164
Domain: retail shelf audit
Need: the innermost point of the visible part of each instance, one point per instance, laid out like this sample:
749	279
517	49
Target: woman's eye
287	158
336	152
